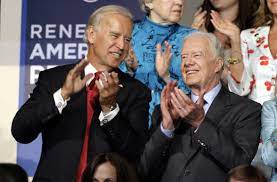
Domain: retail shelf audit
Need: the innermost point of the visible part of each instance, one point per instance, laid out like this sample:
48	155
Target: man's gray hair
96	17
215	44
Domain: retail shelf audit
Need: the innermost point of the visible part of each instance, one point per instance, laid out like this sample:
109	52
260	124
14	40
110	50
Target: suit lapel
219	106
216	111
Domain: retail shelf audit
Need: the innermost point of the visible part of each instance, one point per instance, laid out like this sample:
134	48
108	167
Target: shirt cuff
105	117
59	101
168	133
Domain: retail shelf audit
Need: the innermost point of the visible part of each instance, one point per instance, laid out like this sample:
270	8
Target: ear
219	64
149	5
91	34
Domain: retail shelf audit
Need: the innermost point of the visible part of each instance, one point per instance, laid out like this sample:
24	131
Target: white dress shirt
60	103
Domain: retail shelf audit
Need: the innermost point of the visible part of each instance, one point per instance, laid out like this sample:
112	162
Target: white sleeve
59	102
108	116
243	87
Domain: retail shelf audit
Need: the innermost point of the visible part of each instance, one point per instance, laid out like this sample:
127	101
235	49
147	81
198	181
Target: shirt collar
90	69
209	96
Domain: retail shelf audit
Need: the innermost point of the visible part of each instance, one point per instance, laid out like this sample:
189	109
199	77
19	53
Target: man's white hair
215	45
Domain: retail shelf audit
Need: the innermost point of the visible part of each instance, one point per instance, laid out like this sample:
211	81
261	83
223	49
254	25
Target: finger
114	77
202	15
158	49
86	78
181	111
197	12
182	96
99	85
103	80
79	68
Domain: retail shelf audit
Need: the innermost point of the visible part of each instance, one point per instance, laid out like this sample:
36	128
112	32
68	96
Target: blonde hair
96	17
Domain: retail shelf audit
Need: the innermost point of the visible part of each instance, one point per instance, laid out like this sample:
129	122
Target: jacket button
186	172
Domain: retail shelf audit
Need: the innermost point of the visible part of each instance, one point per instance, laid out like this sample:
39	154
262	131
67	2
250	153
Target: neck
156	19
274	25
230	13
200	90
95	62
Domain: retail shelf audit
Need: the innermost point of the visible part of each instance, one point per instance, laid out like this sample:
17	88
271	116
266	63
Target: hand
131	60
199	20
108	86
73	82
190	112
167	115
163	61
226	27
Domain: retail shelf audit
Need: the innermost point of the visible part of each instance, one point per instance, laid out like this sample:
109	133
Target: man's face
110	40
223	4
199	65
167	11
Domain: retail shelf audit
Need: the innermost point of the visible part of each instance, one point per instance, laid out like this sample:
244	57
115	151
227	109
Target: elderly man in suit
200	137
87	108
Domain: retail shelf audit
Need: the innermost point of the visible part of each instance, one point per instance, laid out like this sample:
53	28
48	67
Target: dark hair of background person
12	173
263	16
245	19
124	171
247	173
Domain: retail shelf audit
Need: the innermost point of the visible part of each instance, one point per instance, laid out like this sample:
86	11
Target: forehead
196	43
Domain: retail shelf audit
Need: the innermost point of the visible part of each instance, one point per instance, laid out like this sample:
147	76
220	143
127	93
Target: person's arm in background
269	133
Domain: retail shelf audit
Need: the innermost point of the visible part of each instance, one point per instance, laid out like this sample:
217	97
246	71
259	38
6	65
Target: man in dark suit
202	136
58	107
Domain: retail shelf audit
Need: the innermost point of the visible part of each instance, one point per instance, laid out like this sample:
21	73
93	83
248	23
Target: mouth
177	11
191	71
117	55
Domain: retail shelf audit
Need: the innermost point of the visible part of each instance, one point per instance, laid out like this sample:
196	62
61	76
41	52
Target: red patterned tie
92	96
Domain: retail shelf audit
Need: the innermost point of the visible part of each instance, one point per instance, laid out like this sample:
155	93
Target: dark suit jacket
229	136
63	134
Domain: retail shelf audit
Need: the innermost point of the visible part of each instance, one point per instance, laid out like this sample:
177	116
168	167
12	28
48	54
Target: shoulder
244	102
185	30
254	31
270	105
132	83
56	73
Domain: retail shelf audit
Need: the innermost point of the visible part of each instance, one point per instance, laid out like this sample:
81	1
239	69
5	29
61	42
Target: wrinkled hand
108	86
190	112
73	82
225	27
168	115
163	61
199	19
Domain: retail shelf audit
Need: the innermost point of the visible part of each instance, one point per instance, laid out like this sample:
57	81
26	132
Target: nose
188	61
120	43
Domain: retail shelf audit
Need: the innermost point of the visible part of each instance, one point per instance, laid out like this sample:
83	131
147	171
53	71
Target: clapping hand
226	27
73	82
108	86
163	61
199	19
186	109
